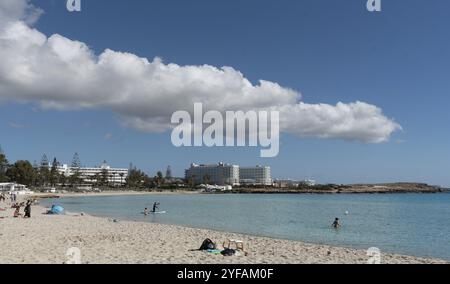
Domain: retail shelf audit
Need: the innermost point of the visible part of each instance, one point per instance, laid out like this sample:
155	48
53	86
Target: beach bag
228	252
208	245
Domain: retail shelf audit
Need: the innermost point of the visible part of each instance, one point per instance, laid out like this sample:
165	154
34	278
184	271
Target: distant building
259	175
14	187
226	174
283	183
309	182
220	174
115	176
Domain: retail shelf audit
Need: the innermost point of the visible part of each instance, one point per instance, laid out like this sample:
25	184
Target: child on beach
17	212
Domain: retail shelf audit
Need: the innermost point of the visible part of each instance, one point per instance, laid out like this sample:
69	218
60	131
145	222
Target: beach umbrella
58	210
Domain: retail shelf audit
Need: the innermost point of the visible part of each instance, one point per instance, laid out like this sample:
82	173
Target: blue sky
330	51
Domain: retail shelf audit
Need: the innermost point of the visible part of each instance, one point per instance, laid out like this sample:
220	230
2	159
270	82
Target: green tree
21	172
76	178
36	171
147	181
44	172
138	179
191	181
54	175
3	166
76	162
63	179
159	179
169	173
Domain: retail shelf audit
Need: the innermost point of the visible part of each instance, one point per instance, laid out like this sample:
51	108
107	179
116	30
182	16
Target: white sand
46	239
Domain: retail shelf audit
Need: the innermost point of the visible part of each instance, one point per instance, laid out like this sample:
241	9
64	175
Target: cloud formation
59	73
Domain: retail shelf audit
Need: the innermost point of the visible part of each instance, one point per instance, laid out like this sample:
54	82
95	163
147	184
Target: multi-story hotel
220	174
259	175
116	176
226	174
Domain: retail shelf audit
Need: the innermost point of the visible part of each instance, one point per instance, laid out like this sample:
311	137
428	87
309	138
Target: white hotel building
226	174
116	176
259	175
221	174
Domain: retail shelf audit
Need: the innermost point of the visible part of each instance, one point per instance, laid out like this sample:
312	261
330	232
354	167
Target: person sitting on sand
155	207
17	212
336	223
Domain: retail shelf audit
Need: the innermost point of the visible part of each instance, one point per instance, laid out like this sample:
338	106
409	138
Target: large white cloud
60	73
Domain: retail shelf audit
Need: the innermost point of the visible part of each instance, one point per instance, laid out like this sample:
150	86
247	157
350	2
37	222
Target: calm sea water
413	224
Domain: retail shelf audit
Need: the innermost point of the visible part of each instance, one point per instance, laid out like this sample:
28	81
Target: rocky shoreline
390	188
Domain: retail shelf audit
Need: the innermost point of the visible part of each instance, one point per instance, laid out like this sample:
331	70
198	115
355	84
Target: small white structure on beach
209	188
12	187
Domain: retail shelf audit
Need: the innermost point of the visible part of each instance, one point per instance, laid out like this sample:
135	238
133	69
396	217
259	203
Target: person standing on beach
27	209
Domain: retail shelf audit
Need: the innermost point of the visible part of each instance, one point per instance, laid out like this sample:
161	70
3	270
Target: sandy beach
46	239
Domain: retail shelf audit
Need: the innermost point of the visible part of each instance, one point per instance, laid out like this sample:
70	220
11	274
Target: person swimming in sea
146	212
155	207
336	224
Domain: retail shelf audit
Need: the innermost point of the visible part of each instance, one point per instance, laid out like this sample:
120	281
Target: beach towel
214	251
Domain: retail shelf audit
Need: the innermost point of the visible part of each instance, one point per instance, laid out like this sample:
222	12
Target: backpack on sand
228	252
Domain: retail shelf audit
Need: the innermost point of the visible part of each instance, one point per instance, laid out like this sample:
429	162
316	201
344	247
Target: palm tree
159	178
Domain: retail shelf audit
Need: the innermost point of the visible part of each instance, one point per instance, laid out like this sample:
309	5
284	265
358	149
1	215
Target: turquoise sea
413	224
